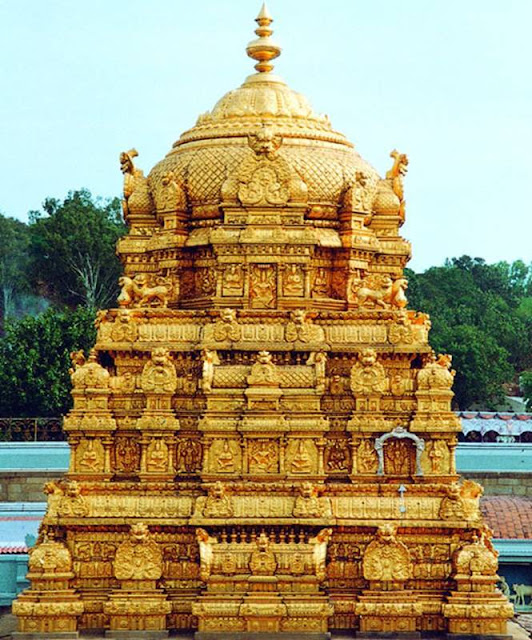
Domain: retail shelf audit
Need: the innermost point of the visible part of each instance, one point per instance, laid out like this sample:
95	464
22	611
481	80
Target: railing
31	429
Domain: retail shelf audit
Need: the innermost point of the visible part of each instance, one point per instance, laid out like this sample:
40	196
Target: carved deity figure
367	375
159	374
320	284
139	557
262	561
337	456
452	506
386	559
293	280
437	455
173	196
72	503
189	455
218	503
359	195
398	456
436	374
205	543
233	280
367	457
263	287
226	459
307	503
126	456
90	455
301	462
157	456
263	456
210	359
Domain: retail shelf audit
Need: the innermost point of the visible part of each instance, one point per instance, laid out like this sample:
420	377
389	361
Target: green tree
479	316
72	249
13	264
35	359
526	386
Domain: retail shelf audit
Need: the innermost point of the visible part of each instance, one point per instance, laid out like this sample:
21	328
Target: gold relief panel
436	458
90	456
366	458
293	281
301	457
399	458
320	283
224	457
233	280
337	456
126	454
157	456
205	281
263	286
263	456
188	455
187	283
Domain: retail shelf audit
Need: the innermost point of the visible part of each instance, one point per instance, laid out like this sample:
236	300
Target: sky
446	81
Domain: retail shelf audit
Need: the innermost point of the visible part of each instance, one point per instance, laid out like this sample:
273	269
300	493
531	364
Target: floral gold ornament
262	438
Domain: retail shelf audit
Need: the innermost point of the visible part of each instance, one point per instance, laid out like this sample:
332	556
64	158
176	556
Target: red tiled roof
508	516
14	549
493	415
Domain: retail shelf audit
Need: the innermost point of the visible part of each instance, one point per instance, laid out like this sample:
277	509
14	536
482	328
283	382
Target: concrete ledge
474	636
137	635
57	635
391	635
246	635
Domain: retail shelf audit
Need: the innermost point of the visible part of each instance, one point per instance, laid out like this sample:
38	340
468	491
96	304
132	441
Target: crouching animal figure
380	291
137	293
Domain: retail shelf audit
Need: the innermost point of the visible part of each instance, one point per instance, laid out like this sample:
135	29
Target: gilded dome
205	156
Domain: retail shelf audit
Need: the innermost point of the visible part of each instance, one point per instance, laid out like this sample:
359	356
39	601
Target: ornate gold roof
207	153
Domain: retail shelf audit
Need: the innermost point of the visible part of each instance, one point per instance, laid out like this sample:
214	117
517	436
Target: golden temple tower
262	439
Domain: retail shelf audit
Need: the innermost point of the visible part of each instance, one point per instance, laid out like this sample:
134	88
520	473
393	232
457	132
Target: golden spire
263	48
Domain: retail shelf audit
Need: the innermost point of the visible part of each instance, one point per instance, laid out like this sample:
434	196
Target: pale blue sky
446	81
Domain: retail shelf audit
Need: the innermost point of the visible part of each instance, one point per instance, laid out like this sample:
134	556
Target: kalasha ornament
262	438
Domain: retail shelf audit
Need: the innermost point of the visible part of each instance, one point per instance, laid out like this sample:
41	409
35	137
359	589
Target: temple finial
263	49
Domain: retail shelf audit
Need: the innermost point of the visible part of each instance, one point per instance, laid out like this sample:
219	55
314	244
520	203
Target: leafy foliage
480	315
72	250
35	359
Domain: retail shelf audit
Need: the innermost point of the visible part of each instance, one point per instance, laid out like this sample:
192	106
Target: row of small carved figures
375	291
